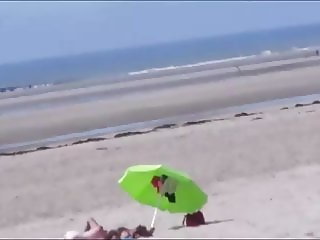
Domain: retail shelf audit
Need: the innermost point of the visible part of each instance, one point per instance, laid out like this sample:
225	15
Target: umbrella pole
154	217
155	212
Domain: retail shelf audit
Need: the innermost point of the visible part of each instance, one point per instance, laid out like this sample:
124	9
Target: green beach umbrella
163	188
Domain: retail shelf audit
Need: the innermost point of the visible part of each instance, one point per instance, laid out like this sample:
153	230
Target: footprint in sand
244	114
310	234
257	118
102	148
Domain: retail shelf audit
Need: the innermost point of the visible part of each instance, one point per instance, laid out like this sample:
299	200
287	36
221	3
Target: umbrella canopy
163	188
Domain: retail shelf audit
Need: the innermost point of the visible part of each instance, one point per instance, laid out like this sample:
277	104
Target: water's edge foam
264	57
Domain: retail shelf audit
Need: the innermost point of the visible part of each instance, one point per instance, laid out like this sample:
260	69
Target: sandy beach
260	176
260	170
260	173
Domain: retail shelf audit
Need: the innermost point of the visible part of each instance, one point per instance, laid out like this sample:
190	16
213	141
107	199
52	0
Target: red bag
194	219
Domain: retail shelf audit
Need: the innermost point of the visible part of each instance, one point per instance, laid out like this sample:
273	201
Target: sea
119	63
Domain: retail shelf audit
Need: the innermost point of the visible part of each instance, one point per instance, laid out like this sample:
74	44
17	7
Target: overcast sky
30	30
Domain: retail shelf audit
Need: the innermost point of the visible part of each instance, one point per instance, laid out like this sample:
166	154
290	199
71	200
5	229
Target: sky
32	30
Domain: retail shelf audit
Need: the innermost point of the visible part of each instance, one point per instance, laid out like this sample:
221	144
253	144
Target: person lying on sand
138	232
125	233
93	230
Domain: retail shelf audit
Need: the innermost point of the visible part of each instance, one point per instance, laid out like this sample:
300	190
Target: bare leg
92	223
87	228
94	230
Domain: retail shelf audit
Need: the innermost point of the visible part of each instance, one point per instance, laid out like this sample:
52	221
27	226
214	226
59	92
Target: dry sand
261	177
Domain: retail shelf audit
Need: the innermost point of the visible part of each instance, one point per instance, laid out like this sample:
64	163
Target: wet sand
35	117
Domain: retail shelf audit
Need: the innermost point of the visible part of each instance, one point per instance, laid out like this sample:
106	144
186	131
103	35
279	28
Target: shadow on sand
207	223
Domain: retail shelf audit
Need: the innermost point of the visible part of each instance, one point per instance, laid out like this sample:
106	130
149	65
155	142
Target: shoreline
66	115
111	91
298	57
261	58
154	125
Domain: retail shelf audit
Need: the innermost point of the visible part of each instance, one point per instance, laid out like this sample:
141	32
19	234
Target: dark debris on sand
170	125
17	153
31	150
195	122
126	134
244	114
307	104
43	148
218	119
300	105
88	140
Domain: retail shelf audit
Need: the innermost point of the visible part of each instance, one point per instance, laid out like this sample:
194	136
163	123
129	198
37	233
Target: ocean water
120	62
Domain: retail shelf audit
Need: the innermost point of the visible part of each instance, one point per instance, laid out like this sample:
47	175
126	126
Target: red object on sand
194	219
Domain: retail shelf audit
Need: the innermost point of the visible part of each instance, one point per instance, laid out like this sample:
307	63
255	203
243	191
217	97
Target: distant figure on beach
317	52
239	70
93	230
